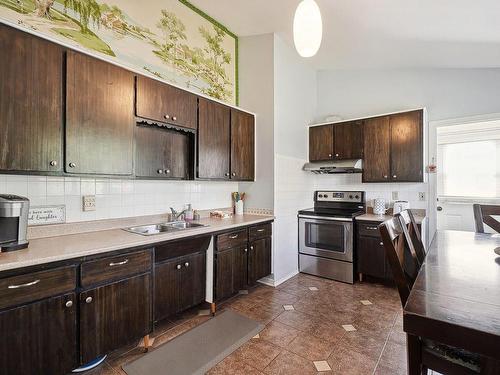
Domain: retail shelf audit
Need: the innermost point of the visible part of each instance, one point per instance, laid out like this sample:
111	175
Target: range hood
335	166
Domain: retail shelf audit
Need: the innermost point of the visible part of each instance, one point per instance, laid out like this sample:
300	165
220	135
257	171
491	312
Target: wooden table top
456	297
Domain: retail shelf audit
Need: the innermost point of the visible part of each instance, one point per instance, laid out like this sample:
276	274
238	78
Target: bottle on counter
189	214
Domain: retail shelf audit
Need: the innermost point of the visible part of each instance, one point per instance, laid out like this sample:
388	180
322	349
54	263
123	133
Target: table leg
414	355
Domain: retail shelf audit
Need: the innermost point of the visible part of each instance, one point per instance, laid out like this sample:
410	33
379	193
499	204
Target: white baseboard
268	280
283	279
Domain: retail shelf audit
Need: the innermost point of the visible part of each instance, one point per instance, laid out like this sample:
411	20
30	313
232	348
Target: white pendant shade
307	28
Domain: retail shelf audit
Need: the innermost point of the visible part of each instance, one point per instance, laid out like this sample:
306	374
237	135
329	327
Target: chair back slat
483	214
396	240
408	219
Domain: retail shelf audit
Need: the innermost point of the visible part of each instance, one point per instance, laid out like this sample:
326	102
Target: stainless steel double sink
173	226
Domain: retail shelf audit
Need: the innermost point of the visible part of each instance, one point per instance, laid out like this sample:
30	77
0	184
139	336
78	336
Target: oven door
326	237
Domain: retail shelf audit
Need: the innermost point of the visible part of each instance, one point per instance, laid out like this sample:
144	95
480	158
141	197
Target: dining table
455	299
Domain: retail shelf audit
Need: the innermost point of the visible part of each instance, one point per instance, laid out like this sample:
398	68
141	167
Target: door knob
439	208
69	303
88	300
72	165
53	163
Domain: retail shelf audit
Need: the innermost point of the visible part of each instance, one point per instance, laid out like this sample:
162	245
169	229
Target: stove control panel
339	196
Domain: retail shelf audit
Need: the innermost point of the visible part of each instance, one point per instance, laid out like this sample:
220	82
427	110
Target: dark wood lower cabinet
39	338
114	315
231	271
179	284
371	257
259	260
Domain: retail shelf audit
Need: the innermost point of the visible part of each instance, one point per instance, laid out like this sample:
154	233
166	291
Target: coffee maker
13	222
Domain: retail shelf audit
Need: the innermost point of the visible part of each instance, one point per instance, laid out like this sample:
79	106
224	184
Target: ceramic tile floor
306	339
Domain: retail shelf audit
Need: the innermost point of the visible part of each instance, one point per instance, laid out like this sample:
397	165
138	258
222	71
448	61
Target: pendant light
307	28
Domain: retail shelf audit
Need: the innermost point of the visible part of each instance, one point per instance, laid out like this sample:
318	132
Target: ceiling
372	34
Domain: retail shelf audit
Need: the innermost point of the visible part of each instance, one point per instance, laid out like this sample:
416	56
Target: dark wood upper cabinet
161	102
114	315
99	117
321	142
377	145
348	140
242	145
407	146
213	140
40	338
31	103
162	153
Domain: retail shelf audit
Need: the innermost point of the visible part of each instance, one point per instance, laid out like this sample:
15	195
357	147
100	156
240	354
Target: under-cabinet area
63	112
57	316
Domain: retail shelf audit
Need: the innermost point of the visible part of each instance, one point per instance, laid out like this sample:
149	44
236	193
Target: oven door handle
325	218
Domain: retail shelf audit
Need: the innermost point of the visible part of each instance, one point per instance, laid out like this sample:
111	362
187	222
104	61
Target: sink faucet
176	215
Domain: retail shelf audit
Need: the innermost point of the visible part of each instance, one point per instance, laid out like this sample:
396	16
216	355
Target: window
469	161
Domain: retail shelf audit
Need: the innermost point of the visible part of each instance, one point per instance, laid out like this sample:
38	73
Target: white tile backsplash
118	198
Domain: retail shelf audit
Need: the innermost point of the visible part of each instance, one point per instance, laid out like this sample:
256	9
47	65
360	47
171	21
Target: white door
468	158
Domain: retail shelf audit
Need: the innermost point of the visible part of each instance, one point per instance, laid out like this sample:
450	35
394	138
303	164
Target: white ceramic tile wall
118	198
406	191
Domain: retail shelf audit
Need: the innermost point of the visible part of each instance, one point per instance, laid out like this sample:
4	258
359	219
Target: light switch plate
421	196
88	203
395	195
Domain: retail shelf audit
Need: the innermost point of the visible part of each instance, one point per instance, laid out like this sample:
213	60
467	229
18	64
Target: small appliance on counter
326	234
13	222
400	206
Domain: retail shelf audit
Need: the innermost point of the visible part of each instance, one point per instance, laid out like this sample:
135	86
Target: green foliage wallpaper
169	39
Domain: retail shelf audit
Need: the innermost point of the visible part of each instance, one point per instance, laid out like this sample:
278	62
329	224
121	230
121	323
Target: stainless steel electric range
326	234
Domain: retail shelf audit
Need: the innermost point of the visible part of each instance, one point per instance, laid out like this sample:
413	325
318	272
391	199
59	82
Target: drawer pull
371	228
23	285
69	303
233	236
88	300
261	230
119	263
381	244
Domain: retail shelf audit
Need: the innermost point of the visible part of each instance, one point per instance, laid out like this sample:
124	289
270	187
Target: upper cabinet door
161	102
213	140
349	140
377	142
162	153
31	102
242	146
321	143
407	146
99	117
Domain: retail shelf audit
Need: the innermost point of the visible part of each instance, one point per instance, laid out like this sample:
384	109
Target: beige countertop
381	218
58	248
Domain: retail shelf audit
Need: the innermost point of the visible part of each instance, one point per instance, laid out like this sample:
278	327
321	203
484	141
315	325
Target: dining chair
483	214
442	358
409	220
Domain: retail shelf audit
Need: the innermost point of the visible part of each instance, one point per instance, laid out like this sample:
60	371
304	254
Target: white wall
256	74
117	198
295	90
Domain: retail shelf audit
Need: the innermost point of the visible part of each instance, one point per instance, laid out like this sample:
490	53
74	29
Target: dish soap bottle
188	214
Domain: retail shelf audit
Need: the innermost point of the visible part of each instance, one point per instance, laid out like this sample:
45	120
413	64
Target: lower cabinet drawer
116	267
260	231
369	229
30	287
232	239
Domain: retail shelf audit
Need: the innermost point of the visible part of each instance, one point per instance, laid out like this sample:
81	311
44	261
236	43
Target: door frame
432	153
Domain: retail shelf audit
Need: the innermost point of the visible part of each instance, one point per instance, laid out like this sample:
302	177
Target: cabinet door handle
186	264
246	249
160	171
178	266
251	247
166	117
261	230
233	236
69	303
174	118
394	176
167	171
88	300
53	163
329	155
23	285
381	244
226	174
337	155
72	165
118	263
385	176
233	174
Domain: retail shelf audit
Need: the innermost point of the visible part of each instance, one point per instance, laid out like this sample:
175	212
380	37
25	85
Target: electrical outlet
395	195
421	196
89	203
